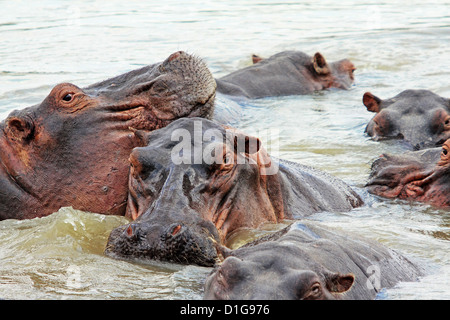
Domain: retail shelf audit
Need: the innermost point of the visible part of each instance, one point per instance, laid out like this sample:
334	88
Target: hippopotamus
182	209
72	149
308	261
419	117
422	175
287	73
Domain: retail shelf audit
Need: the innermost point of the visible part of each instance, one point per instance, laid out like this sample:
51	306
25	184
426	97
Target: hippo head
420	175
338	74
287	73
274	271
72	149
420	117
188	196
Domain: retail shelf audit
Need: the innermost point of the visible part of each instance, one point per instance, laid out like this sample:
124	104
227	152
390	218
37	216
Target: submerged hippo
287	73
307	261
72	149
420	117
420	175
182	209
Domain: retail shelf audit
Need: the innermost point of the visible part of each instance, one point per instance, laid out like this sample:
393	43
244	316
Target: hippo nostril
176	230
130	231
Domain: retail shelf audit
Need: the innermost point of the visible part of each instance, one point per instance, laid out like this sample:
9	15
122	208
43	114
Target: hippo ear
256	58
222	251
338	283
142	136
372	102
320	64
19	129
248	144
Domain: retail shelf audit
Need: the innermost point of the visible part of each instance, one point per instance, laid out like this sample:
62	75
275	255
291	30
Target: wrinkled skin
419	117
182	211
287	73
72	149
419	176
307	261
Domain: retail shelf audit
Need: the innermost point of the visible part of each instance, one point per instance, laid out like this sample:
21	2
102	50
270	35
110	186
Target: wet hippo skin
72	149
419	117
417	176
287	73
308	261
181	210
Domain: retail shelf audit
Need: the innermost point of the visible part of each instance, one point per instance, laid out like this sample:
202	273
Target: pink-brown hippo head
72	149
419	176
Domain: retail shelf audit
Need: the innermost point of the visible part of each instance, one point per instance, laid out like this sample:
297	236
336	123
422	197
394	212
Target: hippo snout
175	231
175	242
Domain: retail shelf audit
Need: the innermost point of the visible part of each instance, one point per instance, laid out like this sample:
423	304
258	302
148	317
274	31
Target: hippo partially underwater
308	261
422	175
287	73
109	148
419	117
81	138
182	209
72	149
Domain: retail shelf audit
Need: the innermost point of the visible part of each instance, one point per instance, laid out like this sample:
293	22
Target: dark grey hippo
187	195
307	261
287	73
420	117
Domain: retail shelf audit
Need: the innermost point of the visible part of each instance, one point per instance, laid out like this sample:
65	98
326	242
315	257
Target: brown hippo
420	175
420	117
287	73
307	261
182	208
72	149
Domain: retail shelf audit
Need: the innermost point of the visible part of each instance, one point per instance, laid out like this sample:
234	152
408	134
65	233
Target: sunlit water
395	46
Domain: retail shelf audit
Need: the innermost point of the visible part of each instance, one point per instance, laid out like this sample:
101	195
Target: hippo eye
228	162
220	277
228	159
316	289
313	293
444	157
68	97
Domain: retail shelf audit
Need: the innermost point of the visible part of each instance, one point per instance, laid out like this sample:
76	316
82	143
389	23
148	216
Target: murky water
395	46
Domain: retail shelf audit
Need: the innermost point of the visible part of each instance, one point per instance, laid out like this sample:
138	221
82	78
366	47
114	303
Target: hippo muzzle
420	176
148	239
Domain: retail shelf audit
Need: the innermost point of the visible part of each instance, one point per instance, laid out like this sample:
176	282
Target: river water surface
394	45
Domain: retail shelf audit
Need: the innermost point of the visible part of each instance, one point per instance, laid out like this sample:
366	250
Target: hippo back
307	190
374	265
276	76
